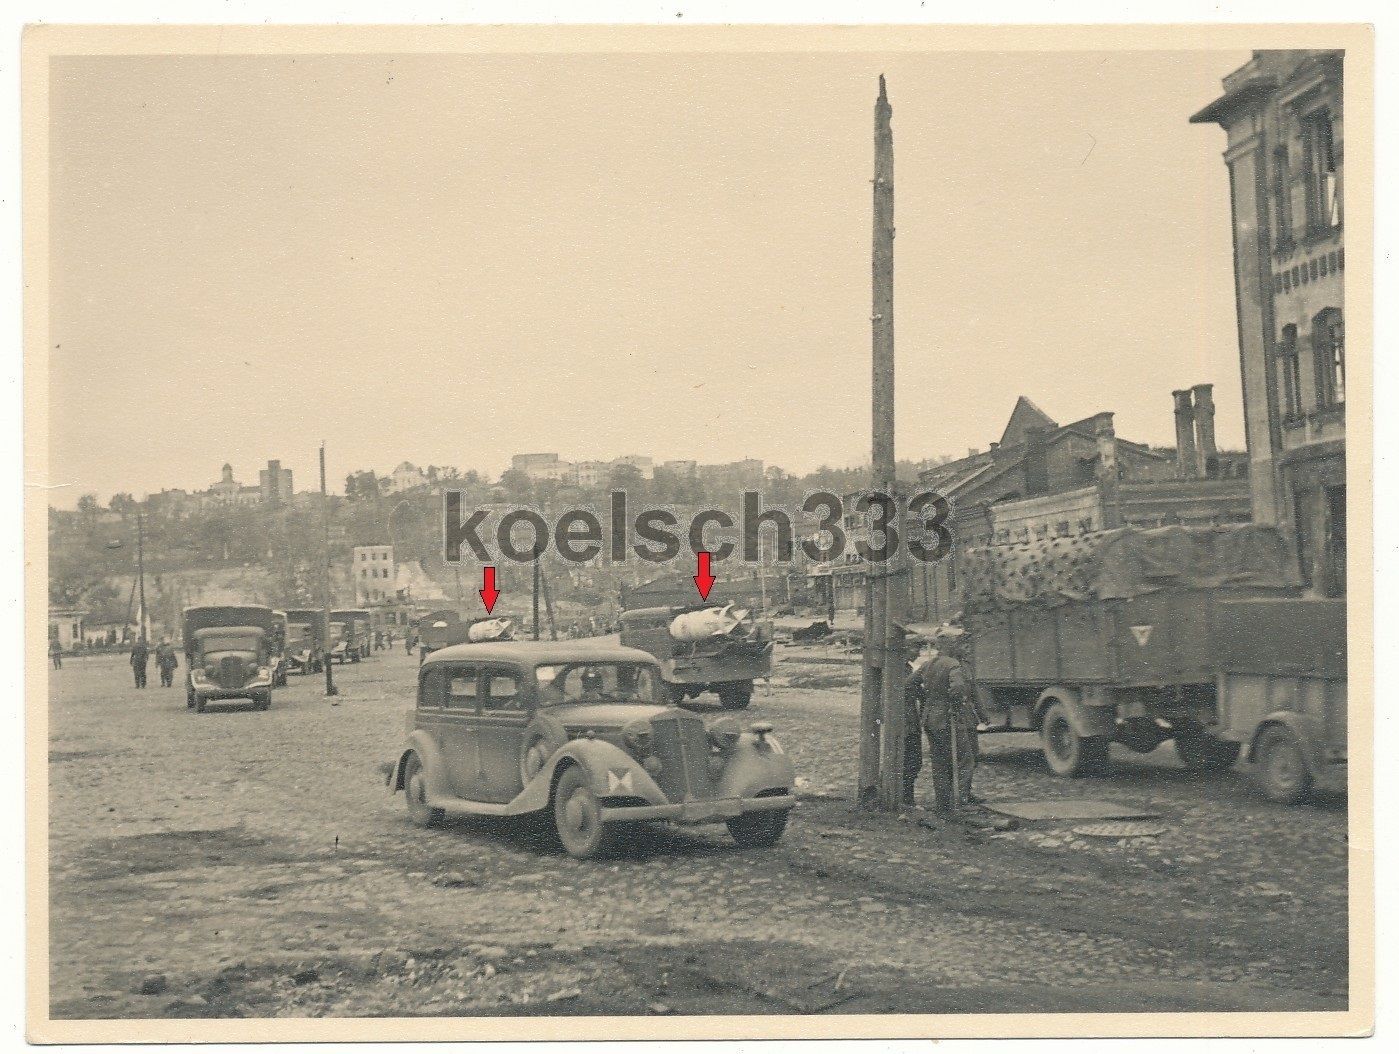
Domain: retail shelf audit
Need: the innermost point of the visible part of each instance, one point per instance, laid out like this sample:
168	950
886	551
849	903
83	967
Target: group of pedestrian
939	705
166	662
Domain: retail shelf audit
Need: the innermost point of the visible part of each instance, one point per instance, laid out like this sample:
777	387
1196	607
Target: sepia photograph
705	532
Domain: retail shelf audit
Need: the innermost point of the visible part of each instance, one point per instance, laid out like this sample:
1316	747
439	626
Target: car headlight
637	737
724	734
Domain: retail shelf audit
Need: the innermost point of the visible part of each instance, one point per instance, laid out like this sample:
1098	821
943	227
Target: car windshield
596	682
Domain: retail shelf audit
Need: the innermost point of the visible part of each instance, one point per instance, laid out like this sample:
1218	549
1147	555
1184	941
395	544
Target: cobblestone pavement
240	863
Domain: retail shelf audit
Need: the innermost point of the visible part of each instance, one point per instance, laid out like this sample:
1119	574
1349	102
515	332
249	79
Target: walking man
56	653
140	656
949	719
166	662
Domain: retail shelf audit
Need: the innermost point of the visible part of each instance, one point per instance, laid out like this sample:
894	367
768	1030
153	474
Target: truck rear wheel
1282	767
1065	751
736	696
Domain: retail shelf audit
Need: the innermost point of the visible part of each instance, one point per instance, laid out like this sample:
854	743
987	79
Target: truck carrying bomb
703	648
1130	636
445	627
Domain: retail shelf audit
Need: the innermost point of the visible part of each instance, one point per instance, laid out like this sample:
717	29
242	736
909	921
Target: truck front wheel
1282	768
1066	752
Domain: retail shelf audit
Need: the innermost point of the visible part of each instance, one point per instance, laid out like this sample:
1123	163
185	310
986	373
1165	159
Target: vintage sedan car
582	732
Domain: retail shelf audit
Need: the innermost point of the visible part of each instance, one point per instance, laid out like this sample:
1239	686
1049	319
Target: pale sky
451	259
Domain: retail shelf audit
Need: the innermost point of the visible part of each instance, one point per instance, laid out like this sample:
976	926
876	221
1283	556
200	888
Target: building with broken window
1282	114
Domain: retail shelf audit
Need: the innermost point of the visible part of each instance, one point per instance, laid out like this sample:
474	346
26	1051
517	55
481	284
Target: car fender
422	744
611	770
1307	729
753	767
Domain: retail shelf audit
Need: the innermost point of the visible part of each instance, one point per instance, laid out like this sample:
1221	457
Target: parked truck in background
228	655
1128	636
304	648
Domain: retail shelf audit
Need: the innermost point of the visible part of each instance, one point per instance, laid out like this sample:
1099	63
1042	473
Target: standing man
166	662
915	693
56	653
140	656
949	719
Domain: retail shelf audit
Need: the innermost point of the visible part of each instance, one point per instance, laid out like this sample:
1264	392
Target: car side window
430	687
503	692
461	688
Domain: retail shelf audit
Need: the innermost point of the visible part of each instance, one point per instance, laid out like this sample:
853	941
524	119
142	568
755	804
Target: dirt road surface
247	864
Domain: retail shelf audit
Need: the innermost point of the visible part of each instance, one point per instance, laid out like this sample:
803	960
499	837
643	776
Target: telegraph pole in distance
141	569
882	672
330	688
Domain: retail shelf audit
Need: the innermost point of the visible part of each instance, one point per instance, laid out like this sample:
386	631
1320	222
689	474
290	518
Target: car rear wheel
415	792
1282	767
736	696
758	830
578	817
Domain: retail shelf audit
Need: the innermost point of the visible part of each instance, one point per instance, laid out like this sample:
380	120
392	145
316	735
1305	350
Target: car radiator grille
231	672
681	744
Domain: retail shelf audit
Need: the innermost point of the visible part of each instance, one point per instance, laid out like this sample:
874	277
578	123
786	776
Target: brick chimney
1207	457
1186	463
1036	461
1108	479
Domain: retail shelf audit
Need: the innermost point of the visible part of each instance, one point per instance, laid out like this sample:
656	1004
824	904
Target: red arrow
704	581
489	592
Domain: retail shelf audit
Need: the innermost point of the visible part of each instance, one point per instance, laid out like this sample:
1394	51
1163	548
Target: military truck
304	649
1115	637
349	636
363	622
228	655
725	663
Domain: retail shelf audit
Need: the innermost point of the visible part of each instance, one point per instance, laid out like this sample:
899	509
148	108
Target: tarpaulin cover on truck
1124	562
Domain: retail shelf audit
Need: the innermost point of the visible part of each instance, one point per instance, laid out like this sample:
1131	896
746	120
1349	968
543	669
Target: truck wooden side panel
1156	639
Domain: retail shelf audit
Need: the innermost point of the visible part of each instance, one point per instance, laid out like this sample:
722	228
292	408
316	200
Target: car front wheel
578	817
415	792
758	830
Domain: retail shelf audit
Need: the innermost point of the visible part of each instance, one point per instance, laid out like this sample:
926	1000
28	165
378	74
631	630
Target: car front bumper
213	691
714	811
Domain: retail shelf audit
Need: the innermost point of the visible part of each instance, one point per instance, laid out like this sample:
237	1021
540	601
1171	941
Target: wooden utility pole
548	605
883	669
535	598
330	688
141	571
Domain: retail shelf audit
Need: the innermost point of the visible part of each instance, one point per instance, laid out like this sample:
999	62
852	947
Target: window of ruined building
1323	169
1329	355
1289	372
1282	199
